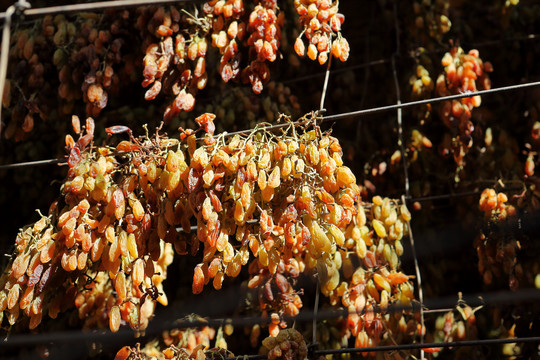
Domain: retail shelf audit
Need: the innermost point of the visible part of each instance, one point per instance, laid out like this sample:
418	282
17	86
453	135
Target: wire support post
418	281
325	84
401	144
16	9
314	344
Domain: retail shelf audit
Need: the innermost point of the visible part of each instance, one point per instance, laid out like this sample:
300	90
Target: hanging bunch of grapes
247	38
281	204
250	109
264	36
85	59
431	21
62	60
499	245
322	28
463	72
173	352
422	86
289	344
22	97
176	64
97	249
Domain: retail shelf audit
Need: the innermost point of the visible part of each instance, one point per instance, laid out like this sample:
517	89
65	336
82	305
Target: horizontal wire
335	117
164	322
31	163
392	107
415	346
532	339
98	5
429	101
457	195
412	55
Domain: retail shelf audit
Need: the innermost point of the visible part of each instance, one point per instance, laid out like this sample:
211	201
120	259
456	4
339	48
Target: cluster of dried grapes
247	38
371	279
98	249
322	28
456	325
463	73
73	58
85	57
264	30
176	64
189	338
282	204
288	344
25	90
331	334
228	33
22	92
173	352
431	20
238	108
422	87
292	204
496	247
421	82
532	153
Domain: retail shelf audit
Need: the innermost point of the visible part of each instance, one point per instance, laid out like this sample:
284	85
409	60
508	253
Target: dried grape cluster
289	344
228	33
247	38
281	204
458	324
152	352
305	203
498	245
176	64
264	30
422	87
431	20
24	95
189	338
456	327
72	58
65	59
98	249
375	283
422	83
331	334
463	73
322	28
21	94
85	57
238	108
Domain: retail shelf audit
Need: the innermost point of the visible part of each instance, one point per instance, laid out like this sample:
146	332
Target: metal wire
337	116
386	108
429	101
92	6
31	163
168	321
532	339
